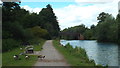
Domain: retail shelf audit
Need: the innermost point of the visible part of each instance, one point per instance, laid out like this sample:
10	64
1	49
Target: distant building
81	37
119	7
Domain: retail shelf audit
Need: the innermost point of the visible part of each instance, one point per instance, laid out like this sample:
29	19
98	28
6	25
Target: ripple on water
102	53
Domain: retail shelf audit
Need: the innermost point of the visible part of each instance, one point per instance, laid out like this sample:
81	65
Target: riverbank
7	57
74	56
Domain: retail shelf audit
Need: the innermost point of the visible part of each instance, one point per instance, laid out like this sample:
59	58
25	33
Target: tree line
20	26
107	30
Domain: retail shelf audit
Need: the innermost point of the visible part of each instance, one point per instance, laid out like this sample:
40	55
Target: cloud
119	5
76	14
36	10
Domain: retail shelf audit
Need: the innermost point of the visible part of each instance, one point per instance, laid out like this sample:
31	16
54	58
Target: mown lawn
7	57
75	57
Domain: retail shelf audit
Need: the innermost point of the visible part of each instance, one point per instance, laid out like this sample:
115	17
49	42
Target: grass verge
38	47
74	56
7	57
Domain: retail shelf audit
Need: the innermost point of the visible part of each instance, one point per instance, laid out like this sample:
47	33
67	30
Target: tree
118	26
106	30
92	27
48	21
30	20
88	34
19	25
39	32
102	17
73	32
9	10
16	30
11	27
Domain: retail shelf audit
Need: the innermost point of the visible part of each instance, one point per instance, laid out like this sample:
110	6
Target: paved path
52	56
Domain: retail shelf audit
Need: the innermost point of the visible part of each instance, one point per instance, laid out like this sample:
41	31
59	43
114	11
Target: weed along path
52	56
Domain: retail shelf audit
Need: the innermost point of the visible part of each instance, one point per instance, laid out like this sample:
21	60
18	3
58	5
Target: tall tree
102	17
118	23
106	30
49	21
9	10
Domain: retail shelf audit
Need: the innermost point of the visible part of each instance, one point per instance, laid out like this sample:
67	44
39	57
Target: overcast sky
75	12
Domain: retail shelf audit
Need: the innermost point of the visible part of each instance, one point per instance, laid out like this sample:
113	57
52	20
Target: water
101	53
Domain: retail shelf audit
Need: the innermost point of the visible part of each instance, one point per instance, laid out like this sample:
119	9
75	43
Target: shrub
9	44
28	34
39	32
35	41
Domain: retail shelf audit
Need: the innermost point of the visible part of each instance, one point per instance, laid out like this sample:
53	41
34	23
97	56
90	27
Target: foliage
29	20
9	10
74	56
14	30
38	44
9	44
39	32
73	32
49	21
102	16
88	34
107	30
28	34
118	26
77	57
20	24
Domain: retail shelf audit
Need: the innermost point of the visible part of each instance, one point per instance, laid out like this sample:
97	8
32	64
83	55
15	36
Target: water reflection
102	53
119	55
107	53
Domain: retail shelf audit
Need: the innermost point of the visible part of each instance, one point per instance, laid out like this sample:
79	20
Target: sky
75	12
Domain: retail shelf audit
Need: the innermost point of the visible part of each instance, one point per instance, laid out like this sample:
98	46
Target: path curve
52	56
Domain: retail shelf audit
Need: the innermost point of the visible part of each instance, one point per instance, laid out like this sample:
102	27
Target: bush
35	41
38	32
28	34
69	46
9	44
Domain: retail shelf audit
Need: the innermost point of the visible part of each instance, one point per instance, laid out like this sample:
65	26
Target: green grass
74	56
7	57
0	59
38	47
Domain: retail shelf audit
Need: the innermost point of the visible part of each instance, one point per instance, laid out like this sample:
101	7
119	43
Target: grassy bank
38	46
74	56
7	57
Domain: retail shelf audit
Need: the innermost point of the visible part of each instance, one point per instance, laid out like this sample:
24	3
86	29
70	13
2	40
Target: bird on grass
27	57
16	57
